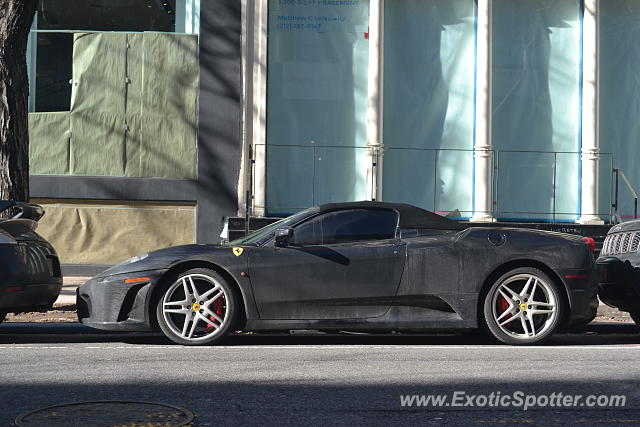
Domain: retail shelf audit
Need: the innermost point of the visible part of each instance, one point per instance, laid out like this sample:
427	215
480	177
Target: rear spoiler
22	210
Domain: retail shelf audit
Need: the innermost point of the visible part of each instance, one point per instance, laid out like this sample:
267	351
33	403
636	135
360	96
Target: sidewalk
608	314
68	293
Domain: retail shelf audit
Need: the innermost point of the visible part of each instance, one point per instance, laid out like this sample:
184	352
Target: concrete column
483	154
590	144
32	48
246	168
192	16
375	146
255	105
188	16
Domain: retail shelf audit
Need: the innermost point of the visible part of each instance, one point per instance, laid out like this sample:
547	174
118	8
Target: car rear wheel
524	306
198	308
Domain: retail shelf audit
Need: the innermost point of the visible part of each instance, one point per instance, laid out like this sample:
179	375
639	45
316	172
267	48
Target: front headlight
135	259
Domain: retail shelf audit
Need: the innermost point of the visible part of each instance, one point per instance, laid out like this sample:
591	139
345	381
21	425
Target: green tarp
49	143
133	109
98	232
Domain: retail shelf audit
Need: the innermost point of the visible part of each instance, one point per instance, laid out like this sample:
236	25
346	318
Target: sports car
30	276
619	269
361	266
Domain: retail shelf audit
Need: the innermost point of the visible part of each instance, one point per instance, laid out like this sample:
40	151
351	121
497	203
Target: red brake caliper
218	309
503	305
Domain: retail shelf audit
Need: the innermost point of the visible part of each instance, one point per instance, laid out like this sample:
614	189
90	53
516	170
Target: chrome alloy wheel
194	307
524	306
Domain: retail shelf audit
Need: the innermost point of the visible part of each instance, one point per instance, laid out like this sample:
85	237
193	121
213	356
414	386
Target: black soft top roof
410	216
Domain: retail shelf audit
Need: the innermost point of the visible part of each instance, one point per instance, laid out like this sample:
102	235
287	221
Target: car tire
199	307
523	307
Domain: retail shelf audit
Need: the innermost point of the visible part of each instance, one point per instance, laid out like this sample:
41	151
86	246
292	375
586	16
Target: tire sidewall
231	303
497	332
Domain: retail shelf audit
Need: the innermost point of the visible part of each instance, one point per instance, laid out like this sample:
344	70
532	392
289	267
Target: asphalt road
321	380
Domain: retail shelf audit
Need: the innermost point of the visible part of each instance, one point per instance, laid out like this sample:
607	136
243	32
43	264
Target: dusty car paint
425	278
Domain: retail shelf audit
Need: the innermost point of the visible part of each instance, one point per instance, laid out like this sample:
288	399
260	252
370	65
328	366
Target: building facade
487	109
184	113
135	124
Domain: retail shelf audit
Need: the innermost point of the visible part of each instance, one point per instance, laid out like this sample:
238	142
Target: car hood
165	258
625	226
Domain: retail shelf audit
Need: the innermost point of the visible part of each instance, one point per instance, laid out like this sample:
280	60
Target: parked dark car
619	268
30	276
363	266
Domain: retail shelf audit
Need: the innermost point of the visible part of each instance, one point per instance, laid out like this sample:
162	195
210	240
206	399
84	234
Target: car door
339	265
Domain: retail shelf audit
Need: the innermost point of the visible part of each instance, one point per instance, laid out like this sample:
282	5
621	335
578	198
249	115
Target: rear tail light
589	241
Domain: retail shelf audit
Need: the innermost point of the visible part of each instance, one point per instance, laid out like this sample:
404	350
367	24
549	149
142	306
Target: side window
347	226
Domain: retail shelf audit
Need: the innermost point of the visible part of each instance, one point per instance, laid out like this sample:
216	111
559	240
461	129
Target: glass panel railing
605	187
409	176
440	180
298	177
546	186
339	174
527	185
289	178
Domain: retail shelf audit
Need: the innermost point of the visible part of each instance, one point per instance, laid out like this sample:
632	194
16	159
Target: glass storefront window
536	108
49	56
429	76
53	71
619	97
316	103
107	15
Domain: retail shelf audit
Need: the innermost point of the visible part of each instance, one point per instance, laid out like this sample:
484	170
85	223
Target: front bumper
112	304
619	284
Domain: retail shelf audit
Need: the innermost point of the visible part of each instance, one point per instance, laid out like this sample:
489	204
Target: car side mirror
284	236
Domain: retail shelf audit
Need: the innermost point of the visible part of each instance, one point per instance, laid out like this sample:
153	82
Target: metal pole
435	178
313	179
555	170
249	196
615	191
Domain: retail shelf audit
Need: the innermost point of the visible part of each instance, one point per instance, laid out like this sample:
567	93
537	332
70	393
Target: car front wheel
524	306
197	308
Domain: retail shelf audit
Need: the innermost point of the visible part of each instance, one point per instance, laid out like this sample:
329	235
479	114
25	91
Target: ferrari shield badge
237	251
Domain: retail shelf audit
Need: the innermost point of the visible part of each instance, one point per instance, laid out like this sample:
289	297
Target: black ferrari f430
362	266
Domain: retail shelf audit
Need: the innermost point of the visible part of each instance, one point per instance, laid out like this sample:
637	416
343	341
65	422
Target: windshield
263	234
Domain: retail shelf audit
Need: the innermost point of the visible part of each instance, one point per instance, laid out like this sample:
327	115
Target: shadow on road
310	404
61	333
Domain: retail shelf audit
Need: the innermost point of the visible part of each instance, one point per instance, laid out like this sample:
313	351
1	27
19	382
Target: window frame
311	218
